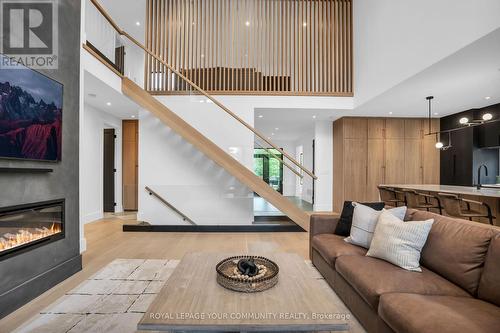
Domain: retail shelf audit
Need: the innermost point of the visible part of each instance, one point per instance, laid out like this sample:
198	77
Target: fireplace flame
27	235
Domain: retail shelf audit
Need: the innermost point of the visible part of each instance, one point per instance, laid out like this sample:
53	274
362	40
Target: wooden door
394	161
431	156
375	165
355	164
413	161
338	165
355	128
130	164
394	128
413	128
376	128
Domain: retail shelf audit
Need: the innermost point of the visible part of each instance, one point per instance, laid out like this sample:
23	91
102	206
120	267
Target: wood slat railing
199	90
279	47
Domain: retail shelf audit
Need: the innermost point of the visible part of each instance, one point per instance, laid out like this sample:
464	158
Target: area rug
115	298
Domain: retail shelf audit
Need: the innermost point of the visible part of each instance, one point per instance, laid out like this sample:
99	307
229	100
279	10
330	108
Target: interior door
109	170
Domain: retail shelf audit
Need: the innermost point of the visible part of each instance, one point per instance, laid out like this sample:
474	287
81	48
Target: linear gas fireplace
25	227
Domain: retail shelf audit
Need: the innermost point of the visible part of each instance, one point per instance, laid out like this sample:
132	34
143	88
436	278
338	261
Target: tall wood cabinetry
372	151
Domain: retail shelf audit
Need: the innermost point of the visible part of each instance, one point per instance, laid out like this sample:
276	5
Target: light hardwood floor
106	242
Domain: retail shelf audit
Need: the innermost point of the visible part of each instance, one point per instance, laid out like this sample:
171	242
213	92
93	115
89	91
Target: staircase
214	152
205	145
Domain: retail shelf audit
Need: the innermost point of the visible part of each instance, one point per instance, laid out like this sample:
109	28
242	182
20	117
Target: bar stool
390	196
452	205
420	200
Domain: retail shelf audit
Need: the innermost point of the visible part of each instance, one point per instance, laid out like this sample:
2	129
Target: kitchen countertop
467	190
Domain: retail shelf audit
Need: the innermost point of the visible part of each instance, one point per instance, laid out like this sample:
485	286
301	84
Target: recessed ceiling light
108	103
137	23
436	113
314	117
261	116
272	133
390	112
132	116
487	97
247	23
276	128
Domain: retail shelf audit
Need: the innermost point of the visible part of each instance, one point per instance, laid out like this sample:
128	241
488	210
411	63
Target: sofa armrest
321	224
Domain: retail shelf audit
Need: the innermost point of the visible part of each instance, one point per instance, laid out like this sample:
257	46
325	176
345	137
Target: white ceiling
98	94
459	82
291	124
126	13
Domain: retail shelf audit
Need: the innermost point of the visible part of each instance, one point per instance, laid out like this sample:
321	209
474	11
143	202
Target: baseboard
13	299
92	217
212	228
83	245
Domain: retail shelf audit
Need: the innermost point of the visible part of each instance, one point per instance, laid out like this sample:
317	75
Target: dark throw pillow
345	221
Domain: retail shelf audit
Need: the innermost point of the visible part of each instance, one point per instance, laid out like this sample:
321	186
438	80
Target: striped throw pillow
398	242
364	220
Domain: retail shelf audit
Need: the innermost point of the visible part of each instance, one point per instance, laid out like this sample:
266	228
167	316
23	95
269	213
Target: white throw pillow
364	221
399	242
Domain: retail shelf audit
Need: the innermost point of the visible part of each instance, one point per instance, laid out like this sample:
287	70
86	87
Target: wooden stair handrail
203	92
169	205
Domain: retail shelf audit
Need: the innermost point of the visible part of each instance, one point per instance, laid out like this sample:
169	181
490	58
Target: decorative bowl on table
247	273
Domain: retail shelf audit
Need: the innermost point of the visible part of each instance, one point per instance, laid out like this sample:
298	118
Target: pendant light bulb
463	120
439	145
487	116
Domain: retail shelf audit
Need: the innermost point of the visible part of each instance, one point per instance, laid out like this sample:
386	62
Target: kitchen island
488	195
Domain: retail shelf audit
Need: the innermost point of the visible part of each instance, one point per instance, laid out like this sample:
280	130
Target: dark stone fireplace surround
27	275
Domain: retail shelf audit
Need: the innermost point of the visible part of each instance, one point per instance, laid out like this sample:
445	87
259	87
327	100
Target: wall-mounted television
30	114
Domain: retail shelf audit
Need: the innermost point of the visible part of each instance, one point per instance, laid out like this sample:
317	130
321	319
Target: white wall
323	133
394	40
187	178
304	144
94	122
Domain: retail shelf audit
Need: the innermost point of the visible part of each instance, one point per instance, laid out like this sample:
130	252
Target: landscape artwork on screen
30	115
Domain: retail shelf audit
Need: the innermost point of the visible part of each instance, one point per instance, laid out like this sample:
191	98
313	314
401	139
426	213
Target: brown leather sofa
457	291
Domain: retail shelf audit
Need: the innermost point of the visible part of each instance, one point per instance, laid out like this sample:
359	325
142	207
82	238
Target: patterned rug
116	297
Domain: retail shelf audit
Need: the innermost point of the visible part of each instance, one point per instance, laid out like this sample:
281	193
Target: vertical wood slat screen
281	47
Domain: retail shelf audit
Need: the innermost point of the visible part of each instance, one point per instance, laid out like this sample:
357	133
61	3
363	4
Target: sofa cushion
489	284
412	313
372	277
331	246
455	249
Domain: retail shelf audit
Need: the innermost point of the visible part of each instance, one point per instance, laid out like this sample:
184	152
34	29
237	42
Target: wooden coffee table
192	300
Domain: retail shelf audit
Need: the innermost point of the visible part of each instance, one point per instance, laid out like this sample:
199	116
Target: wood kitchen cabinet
372	151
